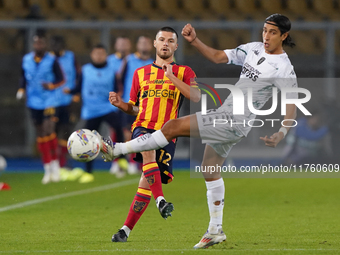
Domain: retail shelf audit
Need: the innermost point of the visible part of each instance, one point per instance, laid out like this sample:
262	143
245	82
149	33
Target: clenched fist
189	33
167	68
115	99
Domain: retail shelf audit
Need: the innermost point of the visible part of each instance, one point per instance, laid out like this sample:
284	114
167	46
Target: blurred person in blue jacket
71	70
41	76
97	79
309	142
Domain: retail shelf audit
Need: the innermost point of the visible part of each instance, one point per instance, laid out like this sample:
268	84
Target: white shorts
219	135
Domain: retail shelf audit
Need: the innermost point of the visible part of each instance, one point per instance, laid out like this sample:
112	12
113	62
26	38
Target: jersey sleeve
134	89
238	55
189	76
288	80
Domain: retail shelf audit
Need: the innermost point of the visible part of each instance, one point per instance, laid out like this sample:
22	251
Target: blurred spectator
41	75
97	79
23	34
332	111
309	142
34	13
63	101
123	49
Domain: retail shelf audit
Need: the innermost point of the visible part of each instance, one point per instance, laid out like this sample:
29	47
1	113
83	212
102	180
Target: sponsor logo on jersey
158	82
261	60
256	52
160	93
250	72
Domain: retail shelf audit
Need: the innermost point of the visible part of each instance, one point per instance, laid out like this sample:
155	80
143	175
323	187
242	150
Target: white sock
127	230
48	168
145	142
158	199
215	197
55	165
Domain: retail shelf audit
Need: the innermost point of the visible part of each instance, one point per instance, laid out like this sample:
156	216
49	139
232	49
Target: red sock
44	149
138	207
63	153
153	176
53	143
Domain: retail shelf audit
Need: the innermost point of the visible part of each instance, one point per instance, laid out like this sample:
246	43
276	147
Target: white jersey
261	72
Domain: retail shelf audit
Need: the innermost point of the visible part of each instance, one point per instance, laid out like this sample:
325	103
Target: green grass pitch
261	216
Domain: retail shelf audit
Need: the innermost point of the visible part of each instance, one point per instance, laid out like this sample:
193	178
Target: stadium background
219	23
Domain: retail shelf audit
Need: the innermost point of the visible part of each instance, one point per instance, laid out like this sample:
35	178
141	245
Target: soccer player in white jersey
265	59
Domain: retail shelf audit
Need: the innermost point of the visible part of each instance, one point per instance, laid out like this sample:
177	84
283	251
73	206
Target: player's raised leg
185	126
215	198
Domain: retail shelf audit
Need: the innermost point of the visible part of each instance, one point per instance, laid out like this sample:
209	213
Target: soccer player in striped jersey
123	48
156	95
269	62
41	75
130	63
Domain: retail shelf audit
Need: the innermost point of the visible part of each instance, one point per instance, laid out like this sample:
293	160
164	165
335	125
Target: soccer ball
83	145
3	163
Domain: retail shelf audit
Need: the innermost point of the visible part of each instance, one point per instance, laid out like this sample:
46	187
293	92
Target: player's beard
164	56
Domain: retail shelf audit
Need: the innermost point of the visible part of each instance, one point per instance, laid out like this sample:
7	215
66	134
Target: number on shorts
166	160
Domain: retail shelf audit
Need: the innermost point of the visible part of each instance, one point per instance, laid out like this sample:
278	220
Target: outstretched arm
216	56
275	138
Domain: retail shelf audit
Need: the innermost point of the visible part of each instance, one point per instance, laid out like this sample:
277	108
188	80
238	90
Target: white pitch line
70	194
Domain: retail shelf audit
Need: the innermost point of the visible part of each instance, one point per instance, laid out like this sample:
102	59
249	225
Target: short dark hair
145	36
99	46
122	37
39	36
168	29
284	25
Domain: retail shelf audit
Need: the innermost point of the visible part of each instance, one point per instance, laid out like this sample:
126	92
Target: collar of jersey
137	54
38	59
159	67
118	55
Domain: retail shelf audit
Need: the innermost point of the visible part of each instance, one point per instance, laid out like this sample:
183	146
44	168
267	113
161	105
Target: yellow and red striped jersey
158	98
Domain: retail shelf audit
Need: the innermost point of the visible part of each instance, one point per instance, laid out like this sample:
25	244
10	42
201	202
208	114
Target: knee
149	156
169	129
212	178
